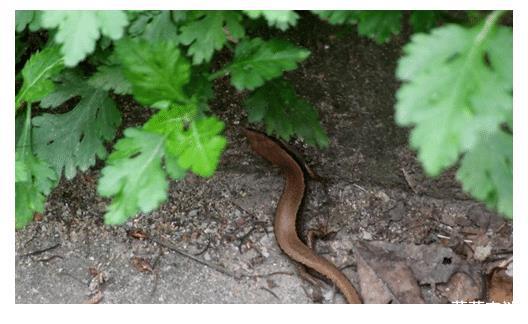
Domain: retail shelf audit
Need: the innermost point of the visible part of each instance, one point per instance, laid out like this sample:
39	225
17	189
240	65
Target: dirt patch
375	190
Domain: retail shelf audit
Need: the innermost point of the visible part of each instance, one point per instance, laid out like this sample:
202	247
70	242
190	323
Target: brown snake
286	214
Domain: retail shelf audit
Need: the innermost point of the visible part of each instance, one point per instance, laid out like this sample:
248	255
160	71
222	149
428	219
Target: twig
271	292
265	275
360	187
156	273
409	180
204	249
172	247
46	260
40	251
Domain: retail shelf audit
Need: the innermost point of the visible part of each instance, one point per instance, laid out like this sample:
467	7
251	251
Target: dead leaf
432	263
385	278
461	287
141	264
500	287
137	234
95	298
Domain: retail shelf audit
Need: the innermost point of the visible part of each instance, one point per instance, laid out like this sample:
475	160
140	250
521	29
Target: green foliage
133	176
155	27
487	171
379	25
157	71
72	140
281	19
111	78
257	61
208	32
337	17
195	141
424	20
37	74
78	30
34	178
285	114
27	18
454	96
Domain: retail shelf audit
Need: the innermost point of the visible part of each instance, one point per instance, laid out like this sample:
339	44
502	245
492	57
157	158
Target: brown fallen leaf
137	234
432	263
384	277
141	264
461	288
500	287
95	298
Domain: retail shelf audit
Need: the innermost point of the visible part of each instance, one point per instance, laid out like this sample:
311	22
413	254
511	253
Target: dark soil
375	190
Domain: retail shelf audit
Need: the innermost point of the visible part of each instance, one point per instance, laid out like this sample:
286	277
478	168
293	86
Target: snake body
286	214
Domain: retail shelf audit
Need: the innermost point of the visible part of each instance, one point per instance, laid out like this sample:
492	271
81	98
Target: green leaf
257	61
111	78
486	172
21	169
379	25
337	17
424	20
161	28
284	114
282	19
208	33
37	74
34	179
23	18
72	140
451	94
195	141
157	71
201	146
133	176
155	26
78	30
200	88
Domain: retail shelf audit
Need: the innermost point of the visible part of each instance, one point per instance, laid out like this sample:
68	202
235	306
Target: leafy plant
457	93
164	60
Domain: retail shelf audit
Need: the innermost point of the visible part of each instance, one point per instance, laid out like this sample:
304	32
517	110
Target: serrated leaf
208	33
23	18
257	61
284	114
21	169
161	28
337	17
196	142
201	146
154	26
282	19
133	176
157	71
78	30
380	25
451	94
486	172
72	140
423	20
34	179
37	74
200	88
111	78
